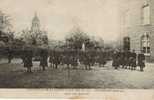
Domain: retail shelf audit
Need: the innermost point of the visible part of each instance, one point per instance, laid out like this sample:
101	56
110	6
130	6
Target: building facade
138	25
35	24
35	35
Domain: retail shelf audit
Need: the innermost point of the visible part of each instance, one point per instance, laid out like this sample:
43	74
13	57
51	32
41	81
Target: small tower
35	24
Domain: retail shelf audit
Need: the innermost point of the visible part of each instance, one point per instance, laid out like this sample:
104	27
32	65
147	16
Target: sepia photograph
77	44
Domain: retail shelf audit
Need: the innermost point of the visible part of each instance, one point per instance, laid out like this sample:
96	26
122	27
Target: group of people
74	58
70	58
128	60
28	55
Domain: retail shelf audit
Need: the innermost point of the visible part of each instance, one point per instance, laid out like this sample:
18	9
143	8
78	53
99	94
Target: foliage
35	38
5	22
77	37
6	35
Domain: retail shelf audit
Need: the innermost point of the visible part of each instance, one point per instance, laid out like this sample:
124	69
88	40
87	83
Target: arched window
145	44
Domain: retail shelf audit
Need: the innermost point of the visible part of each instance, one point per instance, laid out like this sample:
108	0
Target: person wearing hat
141	61
28	55
133	60
44	58
116	59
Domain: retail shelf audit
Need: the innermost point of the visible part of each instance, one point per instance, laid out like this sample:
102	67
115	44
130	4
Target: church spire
35	13
35	23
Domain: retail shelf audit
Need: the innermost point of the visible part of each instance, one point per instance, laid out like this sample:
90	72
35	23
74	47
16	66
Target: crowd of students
70	58
128	60
74	58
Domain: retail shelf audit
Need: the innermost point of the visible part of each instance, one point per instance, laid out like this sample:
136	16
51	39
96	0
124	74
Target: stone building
138	25
35	27
35	35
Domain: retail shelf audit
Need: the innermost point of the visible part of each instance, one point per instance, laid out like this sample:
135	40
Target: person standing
86	60
133	60
67	59
101	59
10	55
51	58
141	61
44	58
28	54
123	59
56	59
128	60
116	60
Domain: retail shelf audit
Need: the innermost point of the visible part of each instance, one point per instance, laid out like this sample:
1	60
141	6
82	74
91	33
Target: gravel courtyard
14	76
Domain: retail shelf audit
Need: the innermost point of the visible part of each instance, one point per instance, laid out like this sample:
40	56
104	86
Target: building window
145	44
126	43
146	14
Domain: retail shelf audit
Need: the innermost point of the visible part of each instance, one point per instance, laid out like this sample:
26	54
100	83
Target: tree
77	37
35	38
5	22
6	35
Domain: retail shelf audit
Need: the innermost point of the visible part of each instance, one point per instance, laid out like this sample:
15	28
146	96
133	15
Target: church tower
35	24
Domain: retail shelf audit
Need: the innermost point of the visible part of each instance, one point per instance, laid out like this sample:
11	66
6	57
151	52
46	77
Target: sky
98	18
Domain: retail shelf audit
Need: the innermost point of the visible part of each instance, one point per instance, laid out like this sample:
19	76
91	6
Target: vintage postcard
77	49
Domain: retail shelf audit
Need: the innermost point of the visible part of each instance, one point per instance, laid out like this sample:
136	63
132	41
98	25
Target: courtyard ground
14	75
